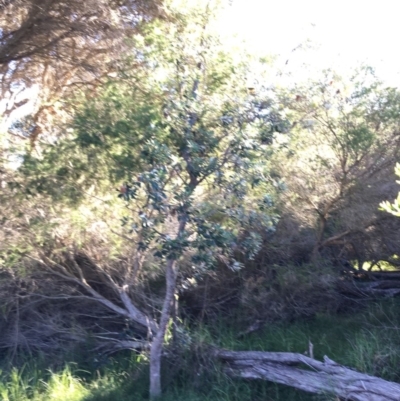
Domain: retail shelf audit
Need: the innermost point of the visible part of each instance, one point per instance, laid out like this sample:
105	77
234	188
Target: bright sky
348	32
342	33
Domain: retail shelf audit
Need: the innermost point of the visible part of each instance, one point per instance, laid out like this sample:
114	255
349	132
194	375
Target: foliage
174	164
48	49
342	146
291	293
393	208
180	127
180	130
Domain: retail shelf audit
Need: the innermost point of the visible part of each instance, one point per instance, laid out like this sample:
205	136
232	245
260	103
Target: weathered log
385	275
374	289
308	374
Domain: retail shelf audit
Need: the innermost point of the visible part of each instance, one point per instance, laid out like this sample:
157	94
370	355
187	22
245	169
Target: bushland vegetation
170	206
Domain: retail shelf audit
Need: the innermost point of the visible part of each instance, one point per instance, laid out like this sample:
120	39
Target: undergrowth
368	341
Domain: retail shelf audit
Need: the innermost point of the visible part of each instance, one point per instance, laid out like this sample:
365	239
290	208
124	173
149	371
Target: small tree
192	142
343	144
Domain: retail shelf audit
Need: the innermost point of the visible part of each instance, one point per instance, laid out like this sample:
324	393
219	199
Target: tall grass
368	341
27	384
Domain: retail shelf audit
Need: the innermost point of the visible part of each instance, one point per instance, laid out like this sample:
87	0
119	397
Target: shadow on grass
368	341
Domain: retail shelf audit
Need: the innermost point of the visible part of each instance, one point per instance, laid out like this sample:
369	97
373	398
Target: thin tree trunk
158	341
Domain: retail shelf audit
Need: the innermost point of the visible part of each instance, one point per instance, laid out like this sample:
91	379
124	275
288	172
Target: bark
385	275
171	273
384	284
308	374
158	341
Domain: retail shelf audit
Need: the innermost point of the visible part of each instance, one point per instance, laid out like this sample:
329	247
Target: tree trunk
158	341
308	374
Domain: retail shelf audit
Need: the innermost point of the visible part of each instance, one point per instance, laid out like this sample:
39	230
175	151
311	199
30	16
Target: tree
342	148
49	48
191	143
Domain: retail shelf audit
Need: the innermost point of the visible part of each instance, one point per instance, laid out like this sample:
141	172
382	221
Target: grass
368	341
22	385
381	265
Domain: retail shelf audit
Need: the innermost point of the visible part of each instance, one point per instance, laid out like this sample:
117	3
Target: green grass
22	385
368	340
382	265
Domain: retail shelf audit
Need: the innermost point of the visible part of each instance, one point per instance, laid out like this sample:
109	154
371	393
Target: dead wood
385	275
308	374
379	288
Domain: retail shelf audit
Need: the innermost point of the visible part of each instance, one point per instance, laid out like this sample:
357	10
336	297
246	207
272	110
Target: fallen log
308	374
370	289
385	275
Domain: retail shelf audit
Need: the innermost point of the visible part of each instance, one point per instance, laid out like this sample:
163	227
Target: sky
343	34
